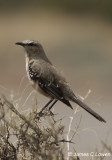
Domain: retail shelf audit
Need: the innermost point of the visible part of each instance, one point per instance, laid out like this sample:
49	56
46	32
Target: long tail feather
88	109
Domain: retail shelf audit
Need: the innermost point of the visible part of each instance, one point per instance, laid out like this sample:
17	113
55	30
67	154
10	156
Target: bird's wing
47	81
53	90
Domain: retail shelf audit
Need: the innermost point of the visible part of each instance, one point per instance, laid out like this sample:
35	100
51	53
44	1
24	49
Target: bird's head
32	48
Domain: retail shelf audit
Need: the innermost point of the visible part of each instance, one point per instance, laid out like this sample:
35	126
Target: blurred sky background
77	37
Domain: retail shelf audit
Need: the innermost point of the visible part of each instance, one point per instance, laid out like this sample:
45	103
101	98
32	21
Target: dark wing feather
51	88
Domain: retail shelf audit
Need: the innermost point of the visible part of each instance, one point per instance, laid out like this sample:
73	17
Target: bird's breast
27	67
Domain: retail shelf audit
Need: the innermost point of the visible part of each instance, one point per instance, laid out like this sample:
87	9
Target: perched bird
45	78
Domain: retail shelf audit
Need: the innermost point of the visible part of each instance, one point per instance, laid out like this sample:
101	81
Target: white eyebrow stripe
27	41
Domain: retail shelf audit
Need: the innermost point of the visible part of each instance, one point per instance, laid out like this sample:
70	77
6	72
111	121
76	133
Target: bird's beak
20	43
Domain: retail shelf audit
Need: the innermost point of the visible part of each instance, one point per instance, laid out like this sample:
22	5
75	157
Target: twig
76	130
71	120
107	147
13	109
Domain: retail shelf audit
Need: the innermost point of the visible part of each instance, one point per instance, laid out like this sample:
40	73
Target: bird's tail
88	109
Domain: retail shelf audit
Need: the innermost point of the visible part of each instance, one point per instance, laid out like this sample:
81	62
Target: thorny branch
29	138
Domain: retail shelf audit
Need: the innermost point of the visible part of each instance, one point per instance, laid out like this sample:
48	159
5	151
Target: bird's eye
31	44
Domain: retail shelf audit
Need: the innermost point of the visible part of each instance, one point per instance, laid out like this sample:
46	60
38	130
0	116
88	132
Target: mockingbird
45	78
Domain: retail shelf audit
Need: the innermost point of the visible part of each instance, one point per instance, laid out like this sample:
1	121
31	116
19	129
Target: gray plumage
45	78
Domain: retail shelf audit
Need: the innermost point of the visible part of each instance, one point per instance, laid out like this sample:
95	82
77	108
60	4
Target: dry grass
31	136
36	137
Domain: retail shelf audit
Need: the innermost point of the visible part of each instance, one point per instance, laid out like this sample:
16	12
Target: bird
45	78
